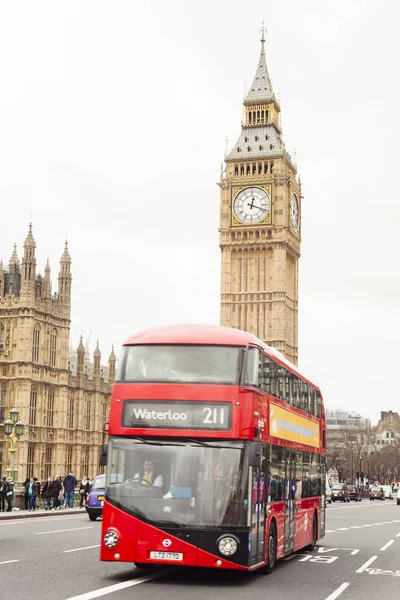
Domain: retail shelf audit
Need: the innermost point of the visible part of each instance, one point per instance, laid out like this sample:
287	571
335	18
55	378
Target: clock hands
252	205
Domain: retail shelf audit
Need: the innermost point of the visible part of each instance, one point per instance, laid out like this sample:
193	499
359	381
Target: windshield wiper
200	443
156	442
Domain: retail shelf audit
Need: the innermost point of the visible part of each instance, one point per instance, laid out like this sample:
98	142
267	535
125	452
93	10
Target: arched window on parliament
2	335
50	409
53	348
48	462
30	461
3	403
36	343
87	414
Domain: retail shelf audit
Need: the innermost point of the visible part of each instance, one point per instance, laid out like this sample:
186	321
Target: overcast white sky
113	117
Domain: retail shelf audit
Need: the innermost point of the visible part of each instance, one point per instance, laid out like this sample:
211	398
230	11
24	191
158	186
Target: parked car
376	493
340	492
398	496
95	499
354	493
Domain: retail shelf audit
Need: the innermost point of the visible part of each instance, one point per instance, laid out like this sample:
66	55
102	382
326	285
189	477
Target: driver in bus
147	474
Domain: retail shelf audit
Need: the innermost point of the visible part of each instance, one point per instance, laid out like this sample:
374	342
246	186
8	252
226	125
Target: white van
328	491
388	491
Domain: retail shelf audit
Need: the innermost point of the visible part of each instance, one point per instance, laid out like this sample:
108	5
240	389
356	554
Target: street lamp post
13	429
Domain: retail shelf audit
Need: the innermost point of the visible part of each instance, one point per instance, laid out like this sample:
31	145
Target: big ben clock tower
260	224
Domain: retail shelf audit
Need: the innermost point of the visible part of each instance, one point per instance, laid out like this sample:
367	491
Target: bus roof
194	333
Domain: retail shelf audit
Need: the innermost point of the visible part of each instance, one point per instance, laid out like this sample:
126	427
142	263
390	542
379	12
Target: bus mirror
255	454
103	455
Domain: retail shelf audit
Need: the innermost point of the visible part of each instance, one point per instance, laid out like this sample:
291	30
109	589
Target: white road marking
329	530
6	562
365	565
337	592
386	546
35	520
61	530
398	535
85	548
118	586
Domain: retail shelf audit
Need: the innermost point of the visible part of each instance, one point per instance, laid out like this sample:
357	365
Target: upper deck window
180	364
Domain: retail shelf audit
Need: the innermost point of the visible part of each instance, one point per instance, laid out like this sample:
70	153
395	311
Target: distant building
344	427
345	419
387	430
63	403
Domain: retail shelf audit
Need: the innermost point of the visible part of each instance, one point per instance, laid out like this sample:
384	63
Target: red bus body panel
138	539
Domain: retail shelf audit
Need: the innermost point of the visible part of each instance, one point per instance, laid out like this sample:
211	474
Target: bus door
290	486
257	516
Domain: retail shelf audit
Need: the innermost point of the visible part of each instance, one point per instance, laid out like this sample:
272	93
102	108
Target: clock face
252	205
294	212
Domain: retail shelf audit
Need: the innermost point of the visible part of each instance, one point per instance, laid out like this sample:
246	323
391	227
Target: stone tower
260	224
64	406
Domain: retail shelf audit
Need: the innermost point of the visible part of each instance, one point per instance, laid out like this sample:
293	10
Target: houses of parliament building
63	399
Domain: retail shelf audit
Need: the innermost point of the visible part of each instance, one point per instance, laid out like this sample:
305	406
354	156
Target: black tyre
272	550
311	546
92	517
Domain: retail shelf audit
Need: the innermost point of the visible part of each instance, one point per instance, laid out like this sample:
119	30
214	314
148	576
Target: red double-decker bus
216	452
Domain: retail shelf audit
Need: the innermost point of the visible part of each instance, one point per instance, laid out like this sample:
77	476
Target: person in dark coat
26	493
84	490
47	493
10	494
69	488
3	492
57	484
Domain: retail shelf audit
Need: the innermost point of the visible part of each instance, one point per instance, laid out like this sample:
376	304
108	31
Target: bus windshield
173	363
179	482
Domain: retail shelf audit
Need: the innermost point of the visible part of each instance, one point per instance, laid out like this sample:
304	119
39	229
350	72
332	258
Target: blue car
95	500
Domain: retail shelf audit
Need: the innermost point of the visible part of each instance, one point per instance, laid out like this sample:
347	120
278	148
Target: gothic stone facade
64	412
260	225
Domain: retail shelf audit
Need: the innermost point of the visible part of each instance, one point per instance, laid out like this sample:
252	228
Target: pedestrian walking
26	494
57	485
10	494
84	490
69	489
34	493
3	493
47	493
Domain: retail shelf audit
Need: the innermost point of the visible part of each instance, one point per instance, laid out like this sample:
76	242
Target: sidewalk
41	512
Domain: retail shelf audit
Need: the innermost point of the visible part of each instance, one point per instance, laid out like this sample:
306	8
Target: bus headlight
111	539
227	545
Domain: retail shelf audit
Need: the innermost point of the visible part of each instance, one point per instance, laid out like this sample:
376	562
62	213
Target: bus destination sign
167	414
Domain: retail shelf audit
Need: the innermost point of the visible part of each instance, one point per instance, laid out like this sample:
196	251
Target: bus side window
319	410
312	402
287	388
295	390
265	373
276	474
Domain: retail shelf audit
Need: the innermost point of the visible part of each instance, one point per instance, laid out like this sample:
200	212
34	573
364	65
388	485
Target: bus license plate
167	555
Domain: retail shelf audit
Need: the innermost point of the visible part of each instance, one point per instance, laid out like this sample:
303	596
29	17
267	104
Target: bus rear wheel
272	549
311	546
